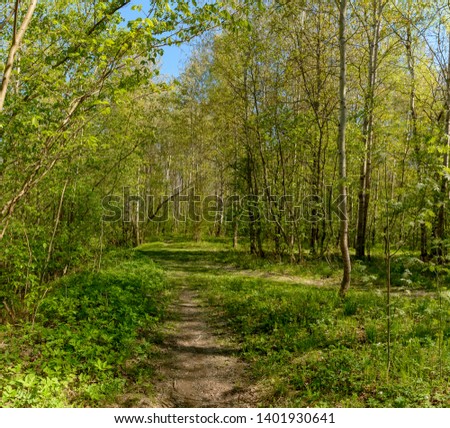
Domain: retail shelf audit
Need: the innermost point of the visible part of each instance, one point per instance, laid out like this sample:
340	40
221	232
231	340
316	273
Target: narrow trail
198	369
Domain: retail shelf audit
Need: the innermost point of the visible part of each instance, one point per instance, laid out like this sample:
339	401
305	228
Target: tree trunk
15	44
235	233
343	209
368	133
413	131
439	230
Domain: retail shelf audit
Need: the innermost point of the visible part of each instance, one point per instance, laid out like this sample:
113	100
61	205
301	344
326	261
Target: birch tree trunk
343	208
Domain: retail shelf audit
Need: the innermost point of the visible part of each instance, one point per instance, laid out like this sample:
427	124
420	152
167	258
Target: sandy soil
199	369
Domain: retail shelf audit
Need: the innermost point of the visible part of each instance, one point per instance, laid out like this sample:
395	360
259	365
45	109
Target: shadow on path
198	370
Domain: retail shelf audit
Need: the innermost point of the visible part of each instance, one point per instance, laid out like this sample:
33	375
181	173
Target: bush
86	330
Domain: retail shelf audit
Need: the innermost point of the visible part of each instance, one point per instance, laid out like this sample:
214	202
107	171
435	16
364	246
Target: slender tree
16	40
343	202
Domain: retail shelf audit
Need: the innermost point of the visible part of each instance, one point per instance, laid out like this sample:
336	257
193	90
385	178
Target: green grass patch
313	349
92	338
408	272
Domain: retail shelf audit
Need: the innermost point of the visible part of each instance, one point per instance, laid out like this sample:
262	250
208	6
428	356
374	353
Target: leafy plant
88	328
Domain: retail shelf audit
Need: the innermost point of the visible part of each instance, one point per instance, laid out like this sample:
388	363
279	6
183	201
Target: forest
288	193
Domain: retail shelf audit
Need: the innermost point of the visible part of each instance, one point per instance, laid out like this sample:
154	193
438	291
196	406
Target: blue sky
174	56
173	60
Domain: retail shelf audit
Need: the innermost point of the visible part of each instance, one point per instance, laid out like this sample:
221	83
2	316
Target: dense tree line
272	97
76	102
265	100
244	144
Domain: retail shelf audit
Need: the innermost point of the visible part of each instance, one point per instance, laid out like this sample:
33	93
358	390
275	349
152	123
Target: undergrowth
92	337
309	347
313	349
408	272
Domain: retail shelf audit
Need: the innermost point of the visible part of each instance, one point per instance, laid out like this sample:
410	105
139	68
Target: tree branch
102	21
15	44
3	23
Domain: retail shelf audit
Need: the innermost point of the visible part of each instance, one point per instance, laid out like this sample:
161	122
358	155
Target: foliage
310	348
92	336
314	350
75	123
85	117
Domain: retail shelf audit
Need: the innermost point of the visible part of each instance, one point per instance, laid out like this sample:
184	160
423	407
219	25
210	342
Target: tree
372	23
69	72
343	207
16	40
62	77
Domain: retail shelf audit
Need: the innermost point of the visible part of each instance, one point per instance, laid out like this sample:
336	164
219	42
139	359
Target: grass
408	272
308	347
317	350
92	340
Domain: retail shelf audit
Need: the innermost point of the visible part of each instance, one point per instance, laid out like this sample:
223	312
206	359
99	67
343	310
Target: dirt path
199	370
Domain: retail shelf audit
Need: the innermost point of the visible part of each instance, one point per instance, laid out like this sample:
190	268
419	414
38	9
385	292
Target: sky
171	64
173	60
